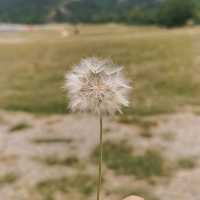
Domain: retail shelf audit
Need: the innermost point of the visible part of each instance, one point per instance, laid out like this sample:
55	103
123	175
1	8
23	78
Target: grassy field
144	159
162	66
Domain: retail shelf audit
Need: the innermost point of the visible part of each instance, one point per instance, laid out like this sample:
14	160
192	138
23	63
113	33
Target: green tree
197	12
141	16
176	12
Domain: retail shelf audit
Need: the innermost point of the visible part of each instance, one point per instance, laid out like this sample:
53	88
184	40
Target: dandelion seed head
96	86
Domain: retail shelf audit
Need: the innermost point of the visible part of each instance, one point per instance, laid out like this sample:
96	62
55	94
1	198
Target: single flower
96	86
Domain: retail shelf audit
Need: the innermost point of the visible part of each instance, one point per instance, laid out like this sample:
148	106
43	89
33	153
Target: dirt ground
26	137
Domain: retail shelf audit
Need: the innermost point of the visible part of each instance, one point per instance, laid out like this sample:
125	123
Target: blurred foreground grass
162	66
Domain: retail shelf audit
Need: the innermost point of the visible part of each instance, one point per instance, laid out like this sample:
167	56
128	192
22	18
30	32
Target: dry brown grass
161	64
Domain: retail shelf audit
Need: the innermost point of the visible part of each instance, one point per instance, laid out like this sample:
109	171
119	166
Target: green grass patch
8	178
20	126
51	140
187	163
146	134
54	160
122	159
81	183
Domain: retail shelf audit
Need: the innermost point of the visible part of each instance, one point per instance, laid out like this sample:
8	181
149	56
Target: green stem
100	156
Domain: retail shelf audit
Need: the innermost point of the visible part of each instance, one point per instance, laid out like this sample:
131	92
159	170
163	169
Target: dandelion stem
100	156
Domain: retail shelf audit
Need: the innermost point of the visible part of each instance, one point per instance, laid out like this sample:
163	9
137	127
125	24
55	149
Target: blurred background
152	149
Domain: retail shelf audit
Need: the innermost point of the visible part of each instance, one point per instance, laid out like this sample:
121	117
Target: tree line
167	13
